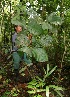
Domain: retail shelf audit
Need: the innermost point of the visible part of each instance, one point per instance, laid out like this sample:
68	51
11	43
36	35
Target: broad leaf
34	27
54	19
46	25
16	22
45	40
40	54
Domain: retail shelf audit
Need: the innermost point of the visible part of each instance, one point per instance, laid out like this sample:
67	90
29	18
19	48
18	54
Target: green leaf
59	93
31	92
16	22
50	72
45	40
15	94
7	93
22	69
38	95
34	27
0	77
40	90
27	50
47	91
56	87
54	19
39	78
40	84
23	74
40	54
33	82
47	68
30	86
31	1
22	40
46	25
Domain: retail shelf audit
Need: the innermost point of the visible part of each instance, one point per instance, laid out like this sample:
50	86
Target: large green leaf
34	27
46	25
45	40
22	40
55	87
16	22
27	50
40	54
53	18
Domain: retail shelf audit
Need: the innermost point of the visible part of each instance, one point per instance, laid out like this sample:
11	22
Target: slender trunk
59	54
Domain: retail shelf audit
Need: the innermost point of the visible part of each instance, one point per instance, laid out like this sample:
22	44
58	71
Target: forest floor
11	88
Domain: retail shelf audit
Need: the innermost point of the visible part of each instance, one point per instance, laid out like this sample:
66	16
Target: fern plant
38	85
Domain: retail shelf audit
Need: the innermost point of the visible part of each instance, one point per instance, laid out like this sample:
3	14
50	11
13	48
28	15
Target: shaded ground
9	88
